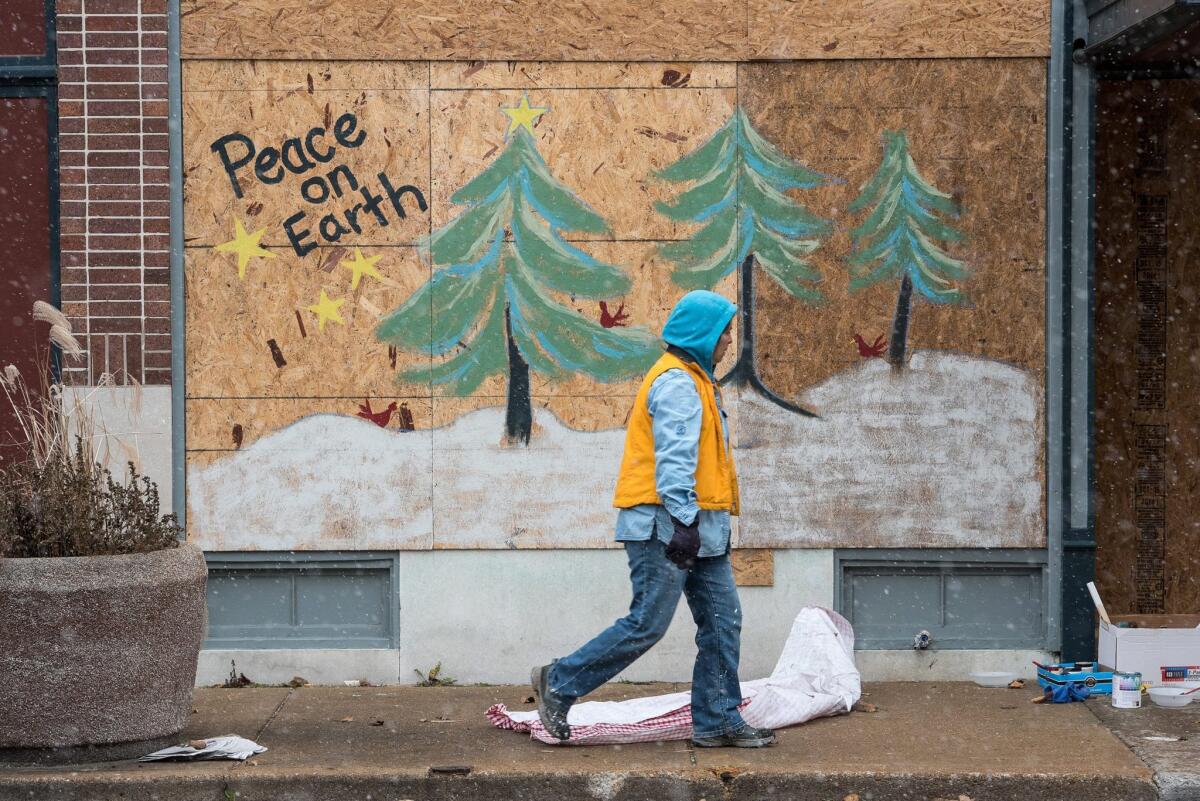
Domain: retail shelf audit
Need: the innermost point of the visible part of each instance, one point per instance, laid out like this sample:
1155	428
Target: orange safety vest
716	478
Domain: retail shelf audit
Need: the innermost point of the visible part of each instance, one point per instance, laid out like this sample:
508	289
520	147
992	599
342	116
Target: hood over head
696	323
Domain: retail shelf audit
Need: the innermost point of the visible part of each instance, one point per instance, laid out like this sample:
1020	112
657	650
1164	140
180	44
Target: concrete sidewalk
925	741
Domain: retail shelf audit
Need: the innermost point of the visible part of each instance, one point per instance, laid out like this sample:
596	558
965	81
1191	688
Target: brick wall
112	57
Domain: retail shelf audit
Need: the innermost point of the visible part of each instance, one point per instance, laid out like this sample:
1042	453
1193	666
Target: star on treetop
522	116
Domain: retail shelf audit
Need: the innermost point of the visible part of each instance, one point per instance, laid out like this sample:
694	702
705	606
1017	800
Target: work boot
745	737
551	709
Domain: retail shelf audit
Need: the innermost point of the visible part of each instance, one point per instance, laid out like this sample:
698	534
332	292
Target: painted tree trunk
898	343
745	371
518	416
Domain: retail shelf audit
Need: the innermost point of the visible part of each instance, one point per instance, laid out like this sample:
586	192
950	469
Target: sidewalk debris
230	746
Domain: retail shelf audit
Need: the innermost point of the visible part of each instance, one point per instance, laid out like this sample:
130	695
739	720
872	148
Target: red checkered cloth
815	676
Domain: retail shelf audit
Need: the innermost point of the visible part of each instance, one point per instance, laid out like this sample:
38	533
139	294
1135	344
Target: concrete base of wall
132	424
489	616
318	666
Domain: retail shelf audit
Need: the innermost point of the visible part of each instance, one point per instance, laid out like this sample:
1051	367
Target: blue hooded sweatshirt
696	323
694	326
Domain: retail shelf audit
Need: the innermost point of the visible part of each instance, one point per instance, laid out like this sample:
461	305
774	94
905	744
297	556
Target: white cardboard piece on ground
814	677
1151	652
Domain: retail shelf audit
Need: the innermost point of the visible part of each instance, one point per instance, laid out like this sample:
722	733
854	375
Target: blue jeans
657	585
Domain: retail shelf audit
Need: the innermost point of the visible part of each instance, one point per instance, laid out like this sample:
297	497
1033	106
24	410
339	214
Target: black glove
685	543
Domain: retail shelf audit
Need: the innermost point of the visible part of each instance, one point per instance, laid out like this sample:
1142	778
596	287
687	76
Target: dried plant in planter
56	498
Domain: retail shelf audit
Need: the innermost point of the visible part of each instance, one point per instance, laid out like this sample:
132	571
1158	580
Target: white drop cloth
814	677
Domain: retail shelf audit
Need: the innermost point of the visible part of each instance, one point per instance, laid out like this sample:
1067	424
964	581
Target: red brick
114	175
156	158
116	325
115	57
155	142
116	354
158	325
154	22
73	175
71	141
154	91
158	342
64	7
116	192
73	309
71	57
154	56
158	276
113	74
71	225
72	259
72	292
72	192
97	356
115	276
113	91
156	292
154	124
70	75
72	208
115	125
125	141
70	108
113	7
156	259
159	225
72	275
154	74
116	308
72	241
157	308
114	108
154	7
156	192
68	22
156	242
71	158
70	91
133	357
69	40
111	39
154	40
112	23
116	225
114	258
120	158
126	242
156	360
68	124
117	292
156	378
154	108
157	208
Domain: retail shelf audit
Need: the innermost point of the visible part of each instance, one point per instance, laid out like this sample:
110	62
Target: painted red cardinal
617	318
875	349
378	418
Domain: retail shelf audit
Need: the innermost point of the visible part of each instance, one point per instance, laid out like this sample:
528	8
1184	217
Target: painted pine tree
739	181
488	310
898	239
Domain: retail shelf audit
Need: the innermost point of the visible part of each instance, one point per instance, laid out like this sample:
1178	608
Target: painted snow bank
946	453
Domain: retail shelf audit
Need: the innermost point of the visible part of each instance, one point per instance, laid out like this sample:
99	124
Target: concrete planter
98	650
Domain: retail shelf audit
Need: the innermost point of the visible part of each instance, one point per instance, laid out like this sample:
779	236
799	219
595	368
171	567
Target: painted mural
420	297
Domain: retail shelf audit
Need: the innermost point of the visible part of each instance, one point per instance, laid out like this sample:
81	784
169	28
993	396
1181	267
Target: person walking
676	491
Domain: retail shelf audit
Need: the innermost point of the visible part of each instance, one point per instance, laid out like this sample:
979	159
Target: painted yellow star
362	265
327	309
245	246
522	116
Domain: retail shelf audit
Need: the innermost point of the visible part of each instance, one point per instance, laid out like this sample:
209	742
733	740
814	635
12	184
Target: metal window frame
178	315
948	560
41	67
315	561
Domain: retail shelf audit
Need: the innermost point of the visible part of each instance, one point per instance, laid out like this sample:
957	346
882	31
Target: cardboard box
1163	655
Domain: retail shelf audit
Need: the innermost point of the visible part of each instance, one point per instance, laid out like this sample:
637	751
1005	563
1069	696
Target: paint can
1127	690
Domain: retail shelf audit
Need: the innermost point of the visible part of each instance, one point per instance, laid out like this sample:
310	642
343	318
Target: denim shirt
676	410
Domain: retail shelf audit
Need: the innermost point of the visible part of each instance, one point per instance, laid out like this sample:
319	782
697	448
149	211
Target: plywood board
976	131
322	482
1146	334
753	567
859	29
617	30
324	151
